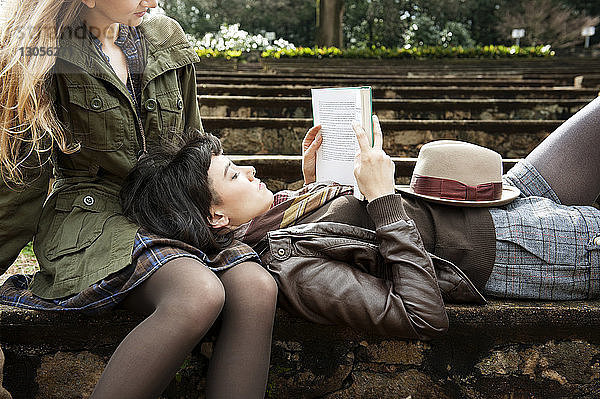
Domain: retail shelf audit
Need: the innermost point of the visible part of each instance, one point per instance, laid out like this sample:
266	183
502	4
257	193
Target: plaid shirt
129	40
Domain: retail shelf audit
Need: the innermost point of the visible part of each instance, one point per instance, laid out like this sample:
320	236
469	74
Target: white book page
335	110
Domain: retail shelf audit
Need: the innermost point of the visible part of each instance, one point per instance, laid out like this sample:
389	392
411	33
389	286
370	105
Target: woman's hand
373	168
311	143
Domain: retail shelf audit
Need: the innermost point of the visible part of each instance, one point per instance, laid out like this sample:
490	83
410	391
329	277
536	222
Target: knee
266	284
198	307
262	287
208	298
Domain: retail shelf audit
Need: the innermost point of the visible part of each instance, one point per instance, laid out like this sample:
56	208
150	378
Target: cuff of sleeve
387	210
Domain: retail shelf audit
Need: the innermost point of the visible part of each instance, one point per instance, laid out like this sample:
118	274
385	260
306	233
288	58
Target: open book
335	109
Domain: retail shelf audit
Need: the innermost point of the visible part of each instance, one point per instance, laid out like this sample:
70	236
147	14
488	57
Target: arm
408	267
20	209
191	111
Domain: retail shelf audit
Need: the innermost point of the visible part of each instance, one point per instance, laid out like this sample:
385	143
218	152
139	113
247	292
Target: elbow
434	326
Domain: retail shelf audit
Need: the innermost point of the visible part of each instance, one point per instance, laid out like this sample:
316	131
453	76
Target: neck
105	30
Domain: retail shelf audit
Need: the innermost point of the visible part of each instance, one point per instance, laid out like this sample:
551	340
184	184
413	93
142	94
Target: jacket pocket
97	119
170	111
78	221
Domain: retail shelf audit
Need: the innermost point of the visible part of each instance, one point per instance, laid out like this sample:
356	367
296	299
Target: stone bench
256	90
511	138
391	108
501	350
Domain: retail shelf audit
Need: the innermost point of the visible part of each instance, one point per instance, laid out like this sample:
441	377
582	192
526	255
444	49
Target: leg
569	159
183	299
240	362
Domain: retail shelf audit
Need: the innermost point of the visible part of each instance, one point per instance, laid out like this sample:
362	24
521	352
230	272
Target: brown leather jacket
381	281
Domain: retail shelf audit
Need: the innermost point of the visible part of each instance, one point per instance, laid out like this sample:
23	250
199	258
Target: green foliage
379	23
415	52
407	23
293	20
545	22
28	250
212	53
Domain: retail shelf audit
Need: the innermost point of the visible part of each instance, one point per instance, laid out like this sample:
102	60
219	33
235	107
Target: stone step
256	90
565	76
532	65
301	107
504	349
362	80
564	68
283	136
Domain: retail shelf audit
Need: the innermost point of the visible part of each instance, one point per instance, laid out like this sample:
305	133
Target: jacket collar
167	48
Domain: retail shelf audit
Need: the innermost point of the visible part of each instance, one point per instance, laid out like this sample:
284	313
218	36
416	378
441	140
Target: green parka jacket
80	236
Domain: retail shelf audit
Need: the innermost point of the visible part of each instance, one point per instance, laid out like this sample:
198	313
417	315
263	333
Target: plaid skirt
544	250
150	252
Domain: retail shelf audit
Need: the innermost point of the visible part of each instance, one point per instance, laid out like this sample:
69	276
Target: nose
250	172
150	3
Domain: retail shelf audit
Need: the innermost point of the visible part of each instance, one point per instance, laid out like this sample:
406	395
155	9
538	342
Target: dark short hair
168	191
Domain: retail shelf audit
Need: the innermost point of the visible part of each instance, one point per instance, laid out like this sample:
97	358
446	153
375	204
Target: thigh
569	158
177	280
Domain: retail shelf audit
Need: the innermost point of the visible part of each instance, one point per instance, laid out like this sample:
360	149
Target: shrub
490	51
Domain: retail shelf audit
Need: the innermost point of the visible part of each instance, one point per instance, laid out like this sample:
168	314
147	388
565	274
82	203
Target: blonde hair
29	125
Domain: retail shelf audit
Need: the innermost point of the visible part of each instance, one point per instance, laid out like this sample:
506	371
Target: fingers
310	136
314	146
377	134
363	141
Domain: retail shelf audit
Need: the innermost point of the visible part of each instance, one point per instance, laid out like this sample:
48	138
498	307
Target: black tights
183	299
569	159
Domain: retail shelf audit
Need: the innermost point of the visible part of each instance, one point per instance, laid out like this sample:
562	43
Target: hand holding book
311	143
373	168
335	109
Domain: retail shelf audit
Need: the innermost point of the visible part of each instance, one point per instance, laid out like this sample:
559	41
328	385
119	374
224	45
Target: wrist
378	194
309	179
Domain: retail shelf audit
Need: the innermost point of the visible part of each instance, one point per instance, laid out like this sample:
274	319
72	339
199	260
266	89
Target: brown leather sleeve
332	273
412	274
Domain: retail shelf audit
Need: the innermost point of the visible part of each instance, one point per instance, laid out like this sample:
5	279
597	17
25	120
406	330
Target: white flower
231	37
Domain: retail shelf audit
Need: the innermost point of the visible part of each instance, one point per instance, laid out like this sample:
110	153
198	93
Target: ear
89	3
217	219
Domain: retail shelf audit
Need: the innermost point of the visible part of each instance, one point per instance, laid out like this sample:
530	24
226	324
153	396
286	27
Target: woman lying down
384	265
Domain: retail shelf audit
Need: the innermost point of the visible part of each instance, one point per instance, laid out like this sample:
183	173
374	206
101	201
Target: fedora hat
457	173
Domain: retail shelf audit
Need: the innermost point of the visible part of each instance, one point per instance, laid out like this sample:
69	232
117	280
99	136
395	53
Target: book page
335	110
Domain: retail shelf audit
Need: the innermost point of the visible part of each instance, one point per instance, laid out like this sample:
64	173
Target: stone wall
502	350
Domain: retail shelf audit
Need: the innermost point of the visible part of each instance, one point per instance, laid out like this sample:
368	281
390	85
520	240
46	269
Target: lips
140	14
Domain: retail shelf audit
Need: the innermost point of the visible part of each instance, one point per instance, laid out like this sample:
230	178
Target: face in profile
127	12
240	196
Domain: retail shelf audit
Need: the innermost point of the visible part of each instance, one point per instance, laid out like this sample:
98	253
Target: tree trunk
329	24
